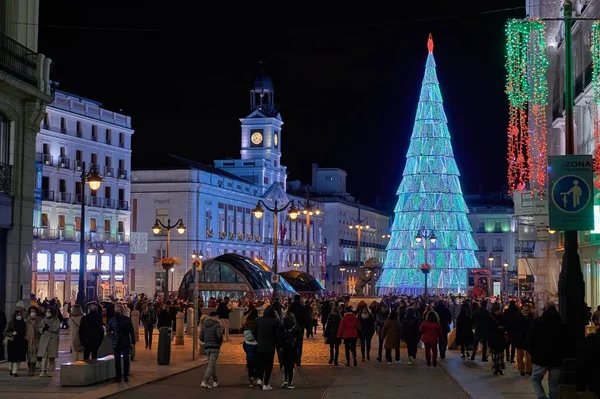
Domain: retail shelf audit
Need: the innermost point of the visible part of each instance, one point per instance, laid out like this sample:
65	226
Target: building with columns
78	132
24	92
216	203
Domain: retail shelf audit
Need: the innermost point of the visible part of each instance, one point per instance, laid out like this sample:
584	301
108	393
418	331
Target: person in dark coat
464	331
382	315
91	332
410	333
16	348
291	334
164	317
510	317
480	321
267	333
333	323
545	341
325	312
392	330
367	330
120	331
445	317
3	323
589	366
522	324
496	338
301	313
223	310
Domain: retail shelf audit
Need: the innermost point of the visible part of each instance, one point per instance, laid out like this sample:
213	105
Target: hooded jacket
349	327
212	333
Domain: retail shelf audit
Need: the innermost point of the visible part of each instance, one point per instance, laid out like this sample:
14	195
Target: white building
215	204
75	131
24	93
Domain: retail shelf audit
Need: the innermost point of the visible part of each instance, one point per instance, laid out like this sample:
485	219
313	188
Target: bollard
190	321
164	346
179	329
135	320
200	327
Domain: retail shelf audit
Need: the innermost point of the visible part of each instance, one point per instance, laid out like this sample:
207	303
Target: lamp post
309	208
94	179
343	286
259	212
504	273
491	260
197	256
425	236
98	248
156	229
359	226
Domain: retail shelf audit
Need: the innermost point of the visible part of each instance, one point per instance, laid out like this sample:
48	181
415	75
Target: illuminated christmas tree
430	202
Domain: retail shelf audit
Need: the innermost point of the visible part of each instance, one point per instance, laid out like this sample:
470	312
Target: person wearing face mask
74	326
120	331
521	325
48	349
33	338
91	332
367	330
17	344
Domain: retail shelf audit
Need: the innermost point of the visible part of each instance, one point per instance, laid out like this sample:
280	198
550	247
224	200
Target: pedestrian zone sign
571	192
275	278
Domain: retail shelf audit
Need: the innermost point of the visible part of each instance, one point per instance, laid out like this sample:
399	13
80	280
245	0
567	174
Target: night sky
346	79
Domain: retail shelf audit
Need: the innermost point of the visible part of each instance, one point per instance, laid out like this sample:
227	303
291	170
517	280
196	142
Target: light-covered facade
24	92
77	130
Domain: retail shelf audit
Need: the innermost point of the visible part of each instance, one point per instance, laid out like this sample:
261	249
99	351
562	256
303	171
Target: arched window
105	262
497	261
75	262
60	262
43	261
90	262
120	263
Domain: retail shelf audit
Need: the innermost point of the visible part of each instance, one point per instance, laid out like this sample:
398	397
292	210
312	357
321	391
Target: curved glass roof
302	282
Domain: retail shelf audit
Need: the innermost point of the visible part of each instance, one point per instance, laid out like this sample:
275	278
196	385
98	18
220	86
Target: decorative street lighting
343	285
504	273
491	259
96	247
296	265
359	226
197	257
425	236
156	229
94	180
259	212
309	208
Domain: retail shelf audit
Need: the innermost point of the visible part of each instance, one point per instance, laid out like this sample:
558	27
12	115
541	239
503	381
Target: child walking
432	332
251	347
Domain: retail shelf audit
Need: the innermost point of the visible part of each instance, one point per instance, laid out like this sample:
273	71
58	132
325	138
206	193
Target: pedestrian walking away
480	321
367	330
211	338
331	338
464	331
410	334
251	347
431	332
120	331
349	330
291	336
522	324
268	334
391	336
497	339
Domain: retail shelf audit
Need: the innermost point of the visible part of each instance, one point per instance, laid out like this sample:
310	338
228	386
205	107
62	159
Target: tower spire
430	43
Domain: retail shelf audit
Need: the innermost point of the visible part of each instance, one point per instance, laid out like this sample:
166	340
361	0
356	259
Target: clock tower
261	138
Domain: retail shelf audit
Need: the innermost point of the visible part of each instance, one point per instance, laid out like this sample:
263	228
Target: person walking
510	318
268	335
410	333
481	320
74	326
91	332
522	324
464	331
291	335
455	311
315	317
250	347
120	332
332	325
325	312
16	348
445	317
223	311
301	314
391	335
66	314
431	332
309	319
382	315
497	338
367	330
211	337
48	348
545	341
348	330
148	321
33	338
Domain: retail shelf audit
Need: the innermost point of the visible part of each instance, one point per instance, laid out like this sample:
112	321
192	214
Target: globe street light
309	208
156	229
343	287
504	273
491	259
425	236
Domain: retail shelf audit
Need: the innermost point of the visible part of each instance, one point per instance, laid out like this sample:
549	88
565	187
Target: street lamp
308	209
359	226
156	229
296	265
172	278
198	256
259	212
425	236
96	247
94	180
504	273
491	259
343	287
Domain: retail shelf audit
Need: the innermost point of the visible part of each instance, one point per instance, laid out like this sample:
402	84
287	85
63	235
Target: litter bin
164	346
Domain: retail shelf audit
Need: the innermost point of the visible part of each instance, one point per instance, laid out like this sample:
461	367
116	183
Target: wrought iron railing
18	60
63	197
123	205
5	178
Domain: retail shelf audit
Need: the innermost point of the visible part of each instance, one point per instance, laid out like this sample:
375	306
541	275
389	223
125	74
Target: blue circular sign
571	194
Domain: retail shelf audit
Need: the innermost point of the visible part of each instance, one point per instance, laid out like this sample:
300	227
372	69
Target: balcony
498	248
123	205
18	60
44	233
121	144
108	141
122	174
63	197
109	203
47	195
78	197
45	159
78	165
109	172
95	201
64	162
481	249
5	178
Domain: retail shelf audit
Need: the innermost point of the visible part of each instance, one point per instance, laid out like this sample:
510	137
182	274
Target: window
481	227
4	139
108	162
162	214
266	180
208	220
75	262
60	261
94	159
119	263
107	225
61	222
121	139
93	225
62	186
46	149
94	133
90	262
108	136
121	226
45	222
107	193
79	129
63	125
43	261
497	226
77	223
328	178
105	263
78	155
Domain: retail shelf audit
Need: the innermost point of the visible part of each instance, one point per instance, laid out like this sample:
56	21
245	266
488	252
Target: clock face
256	138
276	140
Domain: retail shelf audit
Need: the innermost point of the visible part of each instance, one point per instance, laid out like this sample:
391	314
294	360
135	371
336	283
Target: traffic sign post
571	191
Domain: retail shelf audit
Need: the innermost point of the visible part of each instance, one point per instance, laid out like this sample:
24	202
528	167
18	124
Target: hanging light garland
595	50
527	91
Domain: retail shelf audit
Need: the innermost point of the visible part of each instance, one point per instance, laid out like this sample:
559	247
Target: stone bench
87	372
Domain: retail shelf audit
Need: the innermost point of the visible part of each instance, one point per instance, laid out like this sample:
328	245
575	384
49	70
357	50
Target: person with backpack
211	338
291	336
148	321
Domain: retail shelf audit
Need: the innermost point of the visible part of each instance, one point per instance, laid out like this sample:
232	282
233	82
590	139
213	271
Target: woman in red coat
348	330
432	331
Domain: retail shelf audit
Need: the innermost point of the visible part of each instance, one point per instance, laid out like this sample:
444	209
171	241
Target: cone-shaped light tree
430	202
